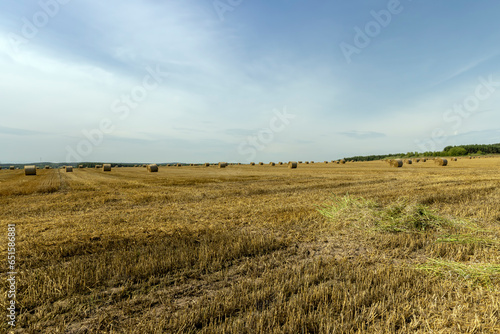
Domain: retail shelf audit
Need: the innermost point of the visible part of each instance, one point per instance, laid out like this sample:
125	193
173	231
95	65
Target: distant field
324	248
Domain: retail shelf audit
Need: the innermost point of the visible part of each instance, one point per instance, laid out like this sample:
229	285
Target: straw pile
397	163
292	164
441	162
30	170
153	168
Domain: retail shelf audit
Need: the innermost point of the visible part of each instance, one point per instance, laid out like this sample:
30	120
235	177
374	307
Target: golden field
324	248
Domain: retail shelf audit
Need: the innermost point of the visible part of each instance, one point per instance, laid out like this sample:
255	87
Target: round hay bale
342	162
47	167
280	163
106	168
179	165
307	162
153	168
80	166
252	164
417	160
69	169
30	170
206	164
12	167
261	164
222	164
326	162
441	162
272	164
409	161
292	164
300	162
398	163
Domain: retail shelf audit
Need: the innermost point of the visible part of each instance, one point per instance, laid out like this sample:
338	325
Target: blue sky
245	80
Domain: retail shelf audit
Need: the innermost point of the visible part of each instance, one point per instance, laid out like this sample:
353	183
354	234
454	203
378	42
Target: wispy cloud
363	135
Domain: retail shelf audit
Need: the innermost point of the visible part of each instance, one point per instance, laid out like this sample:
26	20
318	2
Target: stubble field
324	248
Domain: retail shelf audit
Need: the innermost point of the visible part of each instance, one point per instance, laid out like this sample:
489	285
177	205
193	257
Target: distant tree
457	151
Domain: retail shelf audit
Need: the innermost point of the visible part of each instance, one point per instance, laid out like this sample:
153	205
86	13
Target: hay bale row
30	170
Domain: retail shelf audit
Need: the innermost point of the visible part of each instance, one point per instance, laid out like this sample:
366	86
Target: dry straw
69	169
153	168
106	167
397	163
292	164
441	162
30	170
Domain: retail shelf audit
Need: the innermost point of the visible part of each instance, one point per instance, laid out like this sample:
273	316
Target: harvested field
349	248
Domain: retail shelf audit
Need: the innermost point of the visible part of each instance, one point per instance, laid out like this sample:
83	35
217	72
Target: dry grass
257	250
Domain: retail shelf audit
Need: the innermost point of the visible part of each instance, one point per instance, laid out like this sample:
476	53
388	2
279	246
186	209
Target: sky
240	80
